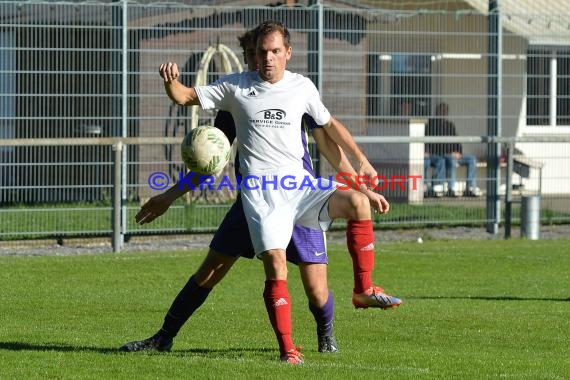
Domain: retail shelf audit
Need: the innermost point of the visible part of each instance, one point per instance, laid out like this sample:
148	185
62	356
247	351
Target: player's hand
367	171
155	207
377	201
169	71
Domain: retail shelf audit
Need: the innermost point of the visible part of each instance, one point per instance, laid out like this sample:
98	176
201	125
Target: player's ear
289	52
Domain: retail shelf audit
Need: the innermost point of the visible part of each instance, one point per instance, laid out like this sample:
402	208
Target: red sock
360	243
278	305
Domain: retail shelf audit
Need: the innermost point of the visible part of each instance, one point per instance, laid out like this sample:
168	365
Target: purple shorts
232	238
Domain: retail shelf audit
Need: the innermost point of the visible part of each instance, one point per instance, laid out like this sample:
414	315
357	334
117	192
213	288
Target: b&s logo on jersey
273	114
271	117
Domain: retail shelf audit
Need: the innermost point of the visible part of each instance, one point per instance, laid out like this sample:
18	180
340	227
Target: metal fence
74	70
402	181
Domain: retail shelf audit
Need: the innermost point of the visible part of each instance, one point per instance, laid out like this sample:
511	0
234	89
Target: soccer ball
206	150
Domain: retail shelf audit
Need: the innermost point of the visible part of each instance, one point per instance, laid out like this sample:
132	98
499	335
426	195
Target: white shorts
273	204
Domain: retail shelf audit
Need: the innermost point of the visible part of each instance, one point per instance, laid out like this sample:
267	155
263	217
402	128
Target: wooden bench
522	166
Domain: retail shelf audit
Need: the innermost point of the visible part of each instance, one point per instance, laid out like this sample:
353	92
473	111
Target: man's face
272	56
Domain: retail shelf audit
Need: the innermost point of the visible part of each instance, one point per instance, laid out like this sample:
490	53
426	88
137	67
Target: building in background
383	64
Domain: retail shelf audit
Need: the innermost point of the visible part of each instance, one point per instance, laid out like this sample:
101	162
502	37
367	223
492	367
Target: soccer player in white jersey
267	107
307	248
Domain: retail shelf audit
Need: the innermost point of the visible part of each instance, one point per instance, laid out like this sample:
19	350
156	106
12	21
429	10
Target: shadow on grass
489	298
21	346
228	353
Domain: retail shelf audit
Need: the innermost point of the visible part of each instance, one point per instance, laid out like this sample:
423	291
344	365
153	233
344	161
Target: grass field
473	310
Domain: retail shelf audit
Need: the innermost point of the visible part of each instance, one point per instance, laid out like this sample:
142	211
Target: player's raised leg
355	207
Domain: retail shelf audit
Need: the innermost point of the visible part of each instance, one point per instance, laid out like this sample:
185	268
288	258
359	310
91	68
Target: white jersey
267	117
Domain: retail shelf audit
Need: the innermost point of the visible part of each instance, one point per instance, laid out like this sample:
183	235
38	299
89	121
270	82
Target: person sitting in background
433	184
452	154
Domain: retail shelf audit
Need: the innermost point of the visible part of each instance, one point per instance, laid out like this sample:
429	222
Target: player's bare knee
360	206
349	204
275	264
318	296
213	268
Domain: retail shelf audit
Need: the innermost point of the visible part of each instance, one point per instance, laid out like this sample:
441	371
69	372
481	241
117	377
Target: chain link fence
88	70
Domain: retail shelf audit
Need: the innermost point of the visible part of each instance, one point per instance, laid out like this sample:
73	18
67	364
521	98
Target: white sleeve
315	106
211	96
215	94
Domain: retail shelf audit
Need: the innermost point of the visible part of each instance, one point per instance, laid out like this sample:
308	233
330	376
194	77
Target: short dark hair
270	26
246	39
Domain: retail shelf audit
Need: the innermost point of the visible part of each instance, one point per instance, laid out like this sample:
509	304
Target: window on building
399	85
563	89
411	85
548	87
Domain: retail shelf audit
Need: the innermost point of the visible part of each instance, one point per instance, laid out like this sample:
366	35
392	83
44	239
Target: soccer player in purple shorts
231	240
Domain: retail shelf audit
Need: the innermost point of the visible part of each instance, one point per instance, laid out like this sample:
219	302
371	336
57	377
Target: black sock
324	316
190	298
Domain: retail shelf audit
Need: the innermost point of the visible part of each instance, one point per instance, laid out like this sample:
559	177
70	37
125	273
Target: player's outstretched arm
340	135
175	90
154	207
159	204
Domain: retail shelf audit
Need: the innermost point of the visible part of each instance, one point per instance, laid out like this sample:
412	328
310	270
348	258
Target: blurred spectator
452	153
433	184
